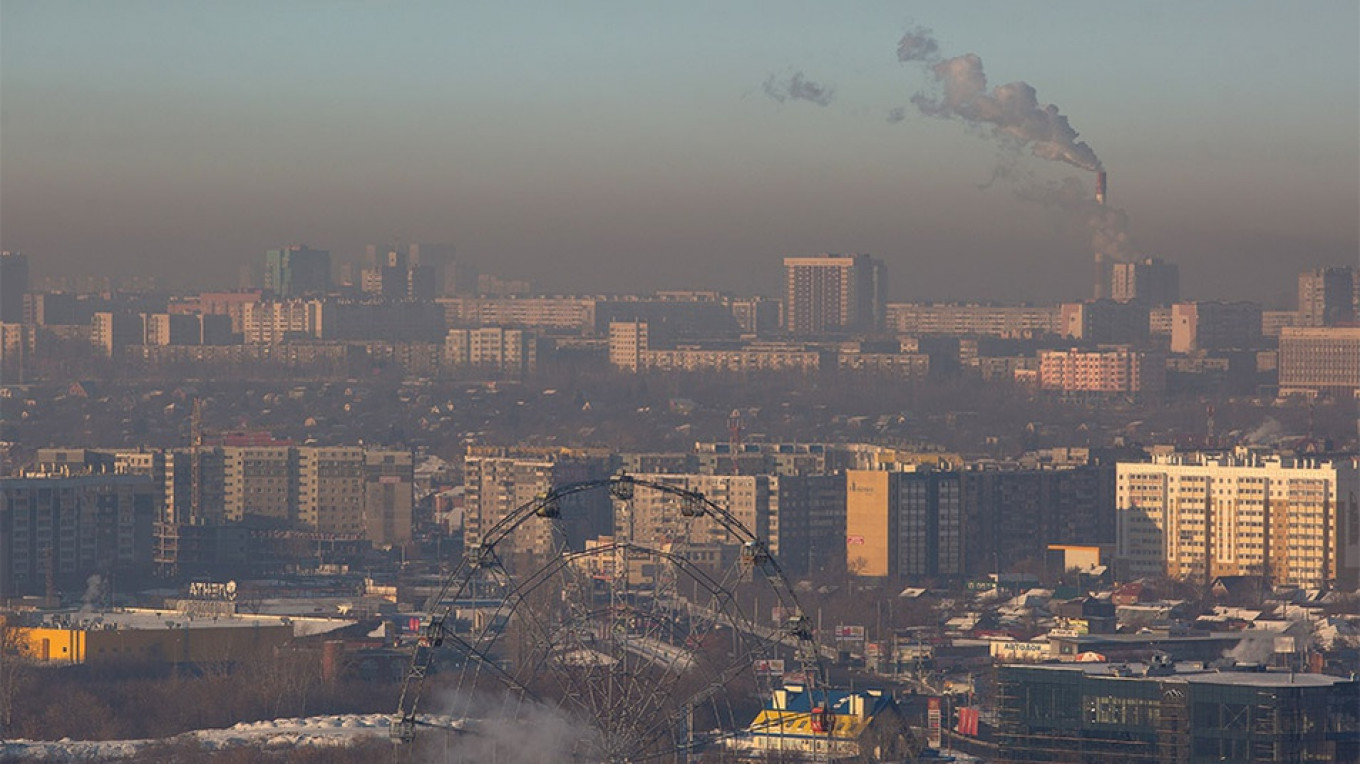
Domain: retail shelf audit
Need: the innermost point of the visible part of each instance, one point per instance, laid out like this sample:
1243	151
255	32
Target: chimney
1101	279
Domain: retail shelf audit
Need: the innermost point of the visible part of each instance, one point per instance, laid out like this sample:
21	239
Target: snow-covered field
277	734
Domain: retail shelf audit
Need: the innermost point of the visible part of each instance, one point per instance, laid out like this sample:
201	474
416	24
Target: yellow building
868	544
828	725
1065	557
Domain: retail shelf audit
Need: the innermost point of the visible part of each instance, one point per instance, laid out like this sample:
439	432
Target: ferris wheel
647	644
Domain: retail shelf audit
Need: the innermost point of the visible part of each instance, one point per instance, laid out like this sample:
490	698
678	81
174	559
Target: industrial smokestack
1101	279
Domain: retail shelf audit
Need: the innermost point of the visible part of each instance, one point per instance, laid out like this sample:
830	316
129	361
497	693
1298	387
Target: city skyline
607	148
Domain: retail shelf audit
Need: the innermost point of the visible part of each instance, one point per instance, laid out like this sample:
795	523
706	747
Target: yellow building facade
868	538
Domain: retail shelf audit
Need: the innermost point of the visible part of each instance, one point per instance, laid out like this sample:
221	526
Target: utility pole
734	428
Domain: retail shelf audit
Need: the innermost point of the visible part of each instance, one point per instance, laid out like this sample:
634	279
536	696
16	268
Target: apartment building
906	524
1215	326
834	293
1320	359
111	331
341	490
273	322
628	341
559	314
497	349
654	518
388	497
1105	321
498	481
630	350
297	270
1113	370
1014	511
1292	520
1329	296
941	523
749	358
807	522
1150	281
973	319
68	528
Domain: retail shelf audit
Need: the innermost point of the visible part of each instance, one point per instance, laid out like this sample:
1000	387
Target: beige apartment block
1202	515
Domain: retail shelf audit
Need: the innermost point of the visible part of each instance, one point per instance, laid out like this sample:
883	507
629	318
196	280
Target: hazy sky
602	146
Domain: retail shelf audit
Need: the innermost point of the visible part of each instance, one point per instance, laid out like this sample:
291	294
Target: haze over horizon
610	147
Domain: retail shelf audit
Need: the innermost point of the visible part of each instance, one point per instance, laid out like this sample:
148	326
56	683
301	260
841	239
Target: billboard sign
933	722
850	633
771	667
210	590
969	719
1022	651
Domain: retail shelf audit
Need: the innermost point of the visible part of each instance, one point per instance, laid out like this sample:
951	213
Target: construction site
1159	712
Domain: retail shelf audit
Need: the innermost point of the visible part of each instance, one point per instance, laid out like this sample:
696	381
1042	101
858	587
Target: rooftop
799	699
147	620
1194	672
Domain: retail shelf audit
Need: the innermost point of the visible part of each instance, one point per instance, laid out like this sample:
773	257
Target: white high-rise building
651	517
1293	520
500	481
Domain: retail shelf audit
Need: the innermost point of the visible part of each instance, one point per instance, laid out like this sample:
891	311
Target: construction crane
195	459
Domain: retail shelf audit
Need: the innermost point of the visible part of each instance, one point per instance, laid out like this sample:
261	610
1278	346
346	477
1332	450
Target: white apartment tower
499	482
1290	519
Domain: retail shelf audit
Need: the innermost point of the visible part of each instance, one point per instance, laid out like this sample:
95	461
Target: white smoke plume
797	87
505	729
94	589
1254	648
1108	226
1013	110
1261	647
1269	431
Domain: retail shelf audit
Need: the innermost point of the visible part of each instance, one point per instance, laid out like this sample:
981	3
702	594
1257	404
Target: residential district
686	525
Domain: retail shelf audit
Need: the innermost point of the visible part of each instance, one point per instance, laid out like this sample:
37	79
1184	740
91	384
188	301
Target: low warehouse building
158	637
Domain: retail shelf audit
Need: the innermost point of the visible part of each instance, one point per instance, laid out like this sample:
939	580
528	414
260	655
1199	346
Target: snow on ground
277	734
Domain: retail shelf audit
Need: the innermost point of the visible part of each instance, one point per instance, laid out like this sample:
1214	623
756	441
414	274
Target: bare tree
15	667
285	679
